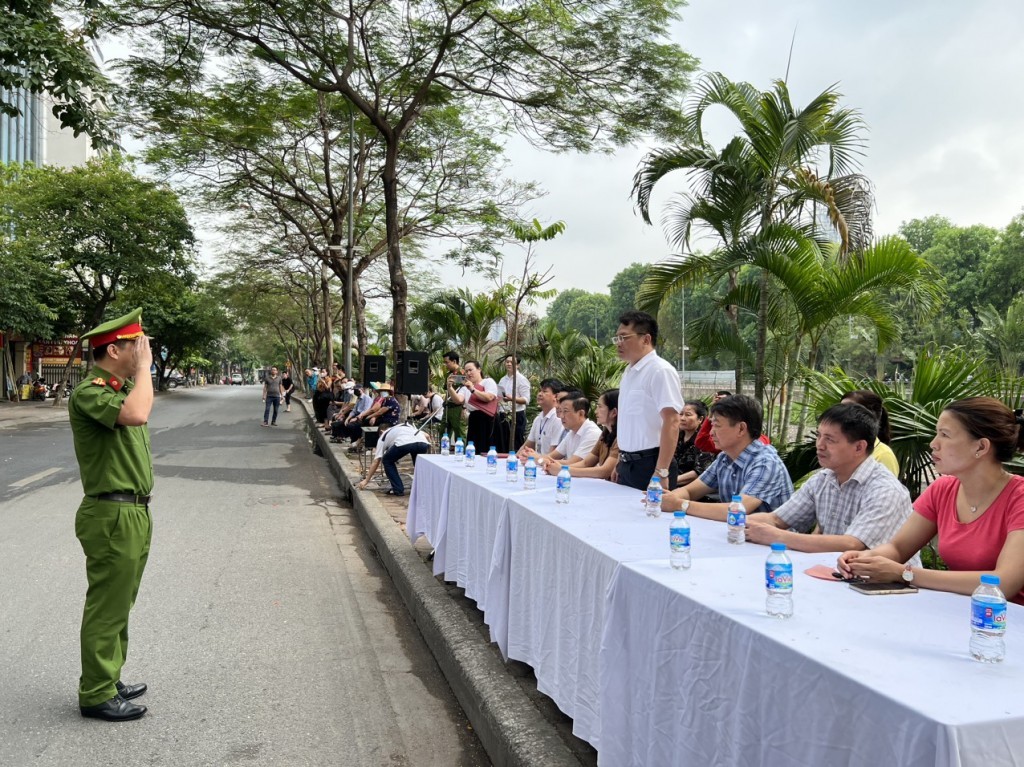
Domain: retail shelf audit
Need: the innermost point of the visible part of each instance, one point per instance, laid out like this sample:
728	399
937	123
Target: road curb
510	727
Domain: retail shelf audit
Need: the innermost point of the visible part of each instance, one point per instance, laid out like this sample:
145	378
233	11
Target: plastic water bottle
679	540
563	485
530	474
778	581
512	468
492	460
652	502
460	450
446	444
470	454
736	521
988	621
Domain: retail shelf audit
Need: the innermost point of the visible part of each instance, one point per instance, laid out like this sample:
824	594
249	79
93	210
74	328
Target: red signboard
60	349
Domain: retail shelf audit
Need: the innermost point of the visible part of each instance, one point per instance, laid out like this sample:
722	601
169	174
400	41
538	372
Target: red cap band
121	334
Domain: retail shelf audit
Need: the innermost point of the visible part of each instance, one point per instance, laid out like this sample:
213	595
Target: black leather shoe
117	709
129	691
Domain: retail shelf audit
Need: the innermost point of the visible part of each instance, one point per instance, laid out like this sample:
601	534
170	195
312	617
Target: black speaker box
374	369
411	372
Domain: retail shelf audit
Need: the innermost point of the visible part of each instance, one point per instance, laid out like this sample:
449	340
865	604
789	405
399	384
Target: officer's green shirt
111	458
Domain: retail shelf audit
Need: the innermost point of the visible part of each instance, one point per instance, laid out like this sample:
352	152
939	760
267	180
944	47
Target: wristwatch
661	473
908	573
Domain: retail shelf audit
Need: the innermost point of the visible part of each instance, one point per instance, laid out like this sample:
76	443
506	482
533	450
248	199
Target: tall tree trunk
762	338
734	319
360	314
399	287
812	363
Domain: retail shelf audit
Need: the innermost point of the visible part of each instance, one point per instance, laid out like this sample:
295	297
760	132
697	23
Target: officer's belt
138	500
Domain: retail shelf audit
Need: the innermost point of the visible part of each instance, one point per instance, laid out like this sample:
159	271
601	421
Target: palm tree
464	320
1003	337
574	359
784	166
940	377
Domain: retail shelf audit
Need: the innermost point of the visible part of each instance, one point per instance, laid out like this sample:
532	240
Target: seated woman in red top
976	508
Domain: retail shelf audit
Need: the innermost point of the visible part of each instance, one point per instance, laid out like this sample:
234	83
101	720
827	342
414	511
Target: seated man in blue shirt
745	467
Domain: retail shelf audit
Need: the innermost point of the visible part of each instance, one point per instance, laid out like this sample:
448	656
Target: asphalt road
265	628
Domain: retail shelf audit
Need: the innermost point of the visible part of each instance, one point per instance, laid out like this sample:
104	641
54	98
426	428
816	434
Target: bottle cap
494	448
778	547
990	580
737	499
679	514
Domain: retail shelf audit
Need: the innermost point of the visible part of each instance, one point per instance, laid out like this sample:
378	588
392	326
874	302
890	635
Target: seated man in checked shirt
855	501
745	466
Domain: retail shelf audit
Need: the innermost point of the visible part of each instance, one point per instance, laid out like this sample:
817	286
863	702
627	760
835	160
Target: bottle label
778	576
530	472
737	518
512	466
679	538
563	482
654	495
492	460
988	616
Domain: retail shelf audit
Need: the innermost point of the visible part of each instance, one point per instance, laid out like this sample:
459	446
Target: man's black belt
639	455
453	404
138	500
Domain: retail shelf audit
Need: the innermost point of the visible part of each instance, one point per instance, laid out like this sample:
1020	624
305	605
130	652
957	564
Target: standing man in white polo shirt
514	386
649	403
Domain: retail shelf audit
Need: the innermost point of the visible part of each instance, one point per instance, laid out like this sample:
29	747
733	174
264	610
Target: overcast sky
938	82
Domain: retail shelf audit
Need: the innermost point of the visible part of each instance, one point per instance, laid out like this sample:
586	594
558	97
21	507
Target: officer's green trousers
455	424
115	538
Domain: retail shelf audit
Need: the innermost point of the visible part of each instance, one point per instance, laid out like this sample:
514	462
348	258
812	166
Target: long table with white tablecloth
657	666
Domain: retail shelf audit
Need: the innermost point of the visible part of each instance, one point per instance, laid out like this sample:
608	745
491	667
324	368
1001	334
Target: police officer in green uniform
108	412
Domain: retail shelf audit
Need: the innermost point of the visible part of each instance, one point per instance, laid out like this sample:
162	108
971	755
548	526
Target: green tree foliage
961	255
273	153
574	359
32	292
44	49
102	227
941	376
586	313
623	289
470	323
568	75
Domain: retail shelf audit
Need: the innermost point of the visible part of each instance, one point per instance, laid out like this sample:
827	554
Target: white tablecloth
659	667
695	672
560	562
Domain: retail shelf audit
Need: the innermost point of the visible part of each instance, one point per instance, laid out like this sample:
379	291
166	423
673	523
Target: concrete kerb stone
508	724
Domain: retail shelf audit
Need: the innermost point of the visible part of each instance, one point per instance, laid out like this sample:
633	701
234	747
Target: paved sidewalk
14	413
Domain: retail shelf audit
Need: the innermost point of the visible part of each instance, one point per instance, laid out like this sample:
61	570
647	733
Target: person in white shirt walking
650	400
394	444
514	387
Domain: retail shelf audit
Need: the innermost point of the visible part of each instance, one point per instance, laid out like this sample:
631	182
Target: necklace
973	508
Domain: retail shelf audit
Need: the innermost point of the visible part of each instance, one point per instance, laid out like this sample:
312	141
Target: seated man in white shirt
547	429
855	501
579	439
395	443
